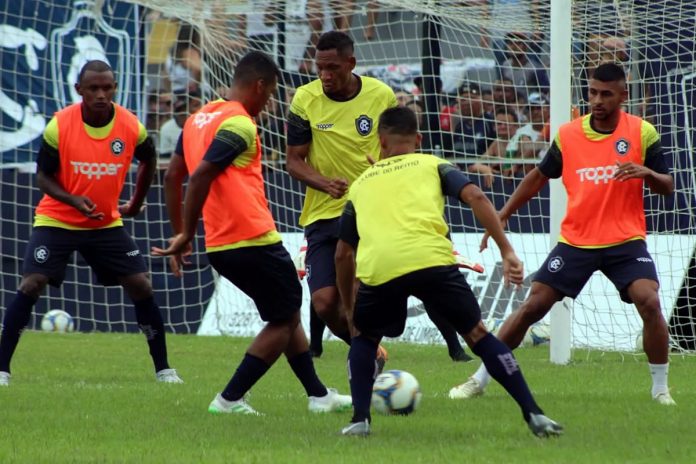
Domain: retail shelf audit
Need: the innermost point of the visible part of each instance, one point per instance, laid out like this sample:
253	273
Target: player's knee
325	304
33	285
138	287
648	307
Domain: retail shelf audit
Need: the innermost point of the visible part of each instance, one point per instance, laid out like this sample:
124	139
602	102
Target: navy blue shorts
568	268
111	253
266	274
381	310
322	238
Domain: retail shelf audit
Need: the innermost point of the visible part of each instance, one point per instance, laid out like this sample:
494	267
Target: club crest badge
363	124
117	146
622	146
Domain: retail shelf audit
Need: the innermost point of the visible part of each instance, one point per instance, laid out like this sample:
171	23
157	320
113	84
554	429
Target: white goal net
477	72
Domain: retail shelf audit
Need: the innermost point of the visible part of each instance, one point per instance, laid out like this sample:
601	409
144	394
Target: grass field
93	398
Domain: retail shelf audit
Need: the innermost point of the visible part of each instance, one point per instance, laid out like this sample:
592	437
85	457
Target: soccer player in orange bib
82	165
221	149
604	159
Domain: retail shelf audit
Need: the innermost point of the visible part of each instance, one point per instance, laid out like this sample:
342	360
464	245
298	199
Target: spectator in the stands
185	66
525	71
185	104
529	140
493	157
474	129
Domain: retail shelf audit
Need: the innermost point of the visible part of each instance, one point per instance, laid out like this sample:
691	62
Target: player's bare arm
143	181
532	183
173	187
300	170
662	184
48	184
513	270
345	279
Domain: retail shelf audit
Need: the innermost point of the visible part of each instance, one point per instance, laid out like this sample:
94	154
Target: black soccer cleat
460	356
543	427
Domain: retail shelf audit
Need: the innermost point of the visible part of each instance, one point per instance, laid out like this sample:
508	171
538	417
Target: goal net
476	72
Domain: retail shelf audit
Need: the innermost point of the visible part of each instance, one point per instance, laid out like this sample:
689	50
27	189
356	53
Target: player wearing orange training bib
604	159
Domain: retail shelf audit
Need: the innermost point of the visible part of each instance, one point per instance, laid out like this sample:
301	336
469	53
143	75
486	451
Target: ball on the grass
396	392
57	320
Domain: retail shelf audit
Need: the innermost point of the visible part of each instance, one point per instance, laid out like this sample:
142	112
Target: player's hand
179	250
86	207
627	171
337	187
513	270
487	235
129	209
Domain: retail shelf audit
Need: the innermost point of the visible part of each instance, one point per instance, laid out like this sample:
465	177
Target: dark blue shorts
322	238
568	268
266	274
382	310
111	253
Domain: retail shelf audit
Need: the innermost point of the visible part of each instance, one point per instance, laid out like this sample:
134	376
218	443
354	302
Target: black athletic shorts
382	310
110	252
322	238
266	274
568	268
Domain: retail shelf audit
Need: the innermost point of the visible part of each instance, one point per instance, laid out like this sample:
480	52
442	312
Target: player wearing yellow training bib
331	131
394	222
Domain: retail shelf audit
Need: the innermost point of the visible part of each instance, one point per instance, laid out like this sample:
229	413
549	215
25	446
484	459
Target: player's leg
45	259
632	270
379	311
446	291
551	283
455	349
316	333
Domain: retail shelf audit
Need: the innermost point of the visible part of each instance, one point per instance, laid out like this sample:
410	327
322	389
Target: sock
362	370
503	367
345	336
248	373
303	367
149	319
482	376
17	317
659	378
316	330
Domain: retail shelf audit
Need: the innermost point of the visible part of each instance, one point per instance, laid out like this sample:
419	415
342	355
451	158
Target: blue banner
44	45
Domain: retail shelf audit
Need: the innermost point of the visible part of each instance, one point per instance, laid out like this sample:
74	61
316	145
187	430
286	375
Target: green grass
93	398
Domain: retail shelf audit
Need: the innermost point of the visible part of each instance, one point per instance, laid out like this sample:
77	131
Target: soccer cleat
663	398
220	405
168	376
543	427
381	358
331	402
461	356
357	429
4	379
469	389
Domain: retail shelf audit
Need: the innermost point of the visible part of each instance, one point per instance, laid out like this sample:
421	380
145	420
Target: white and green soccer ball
57	320
396	392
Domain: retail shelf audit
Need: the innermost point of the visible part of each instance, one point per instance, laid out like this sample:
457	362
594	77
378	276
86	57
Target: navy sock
316	331
149	319
250	370
503	367
17	317
303	367
361	373
345	336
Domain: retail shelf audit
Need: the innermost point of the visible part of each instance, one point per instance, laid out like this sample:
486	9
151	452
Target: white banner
600	318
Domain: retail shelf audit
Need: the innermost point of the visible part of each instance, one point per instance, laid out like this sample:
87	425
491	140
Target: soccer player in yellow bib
331	132
394	218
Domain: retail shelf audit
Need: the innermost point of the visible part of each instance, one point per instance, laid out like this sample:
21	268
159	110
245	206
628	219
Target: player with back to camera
394	218
82	165
221	149
331	133
604	158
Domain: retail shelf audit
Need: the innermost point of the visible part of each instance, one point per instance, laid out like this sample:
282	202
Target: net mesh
476	72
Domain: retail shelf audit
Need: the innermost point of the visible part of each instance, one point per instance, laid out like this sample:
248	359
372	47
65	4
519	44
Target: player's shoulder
372	85
309	91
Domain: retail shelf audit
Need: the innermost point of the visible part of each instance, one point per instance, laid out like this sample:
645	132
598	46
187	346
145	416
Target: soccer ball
396	392
57	320
539	333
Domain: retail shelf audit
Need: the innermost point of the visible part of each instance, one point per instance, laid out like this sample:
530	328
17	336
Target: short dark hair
253	66
336	40
399	120
96	66
609	72
506	112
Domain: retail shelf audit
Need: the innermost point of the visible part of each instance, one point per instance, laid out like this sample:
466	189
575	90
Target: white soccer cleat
356	429
331	402
665	399
543	427
4	379
220	405
168	376
469	389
